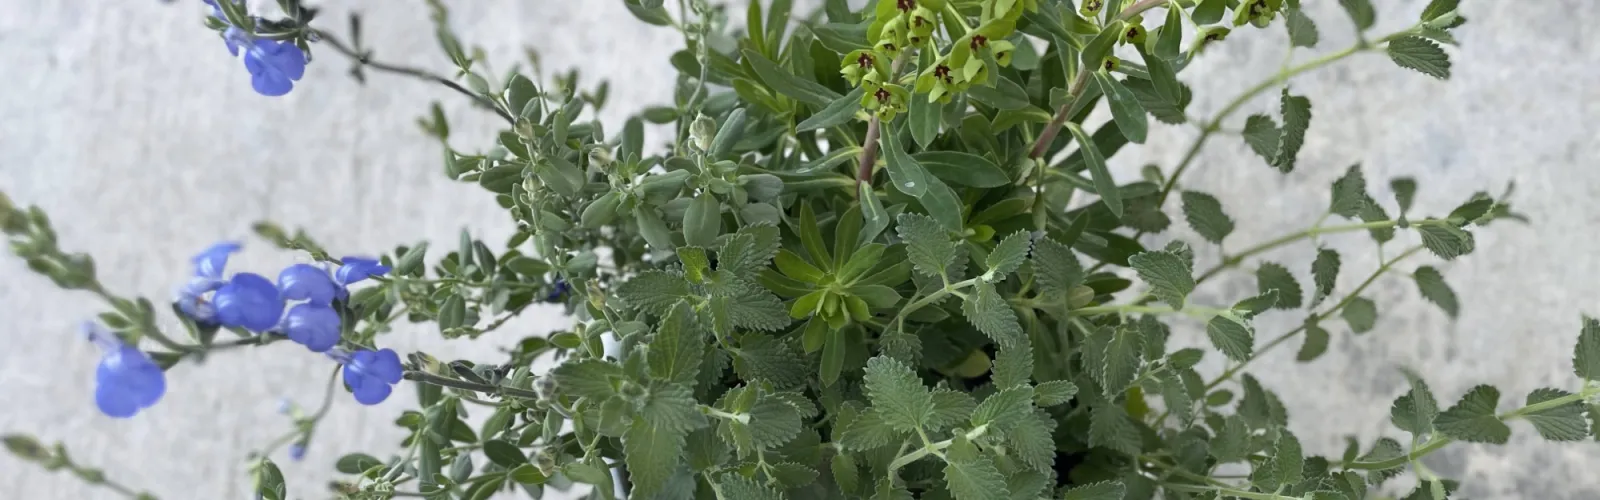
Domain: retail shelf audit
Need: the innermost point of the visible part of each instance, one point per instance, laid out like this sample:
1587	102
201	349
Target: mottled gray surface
130	124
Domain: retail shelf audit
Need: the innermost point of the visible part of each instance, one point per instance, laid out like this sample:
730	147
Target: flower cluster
274	65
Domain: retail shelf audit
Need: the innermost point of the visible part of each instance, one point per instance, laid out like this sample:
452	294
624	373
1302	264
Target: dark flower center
979	41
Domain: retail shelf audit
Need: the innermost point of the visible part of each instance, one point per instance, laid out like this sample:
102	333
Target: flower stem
1439	441
429	378
365	59
932	448
869	144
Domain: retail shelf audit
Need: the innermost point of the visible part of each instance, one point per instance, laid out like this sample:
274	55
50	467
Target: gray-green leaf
1473	418
1361	314
1420	54
897	394
1415	410
1205	215
928	246
1271	276
1586	356
1168	275
1007	256
1361	13
1125	109
1431	283
1296	111
1232	335
1562	423
1324	274
1104	184
1261	133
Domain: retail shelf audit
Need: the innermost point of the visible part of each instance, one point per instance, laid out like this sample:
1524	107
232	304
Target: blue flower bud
355	269
126	380
274	66
248	301
297	451
371	373
313	325
307	282
210	262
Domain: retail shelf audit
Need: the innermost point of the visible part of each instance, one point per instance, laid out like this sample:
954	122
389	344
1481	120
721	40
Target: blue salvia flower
297	451
313	325
208	267
274	65
126	380
249	301
354	269
556	291
370	374
307	282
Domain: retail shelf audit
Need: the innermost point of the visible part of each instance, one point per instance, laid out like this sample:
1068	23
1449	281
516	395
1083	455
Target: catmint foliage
871	252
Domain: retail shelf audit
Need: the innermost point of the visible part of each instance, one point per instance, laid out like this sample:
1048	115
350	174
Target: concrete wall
128	122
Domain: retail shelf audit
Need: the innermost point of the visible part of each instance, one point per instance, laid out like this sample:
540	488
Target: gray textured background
129	123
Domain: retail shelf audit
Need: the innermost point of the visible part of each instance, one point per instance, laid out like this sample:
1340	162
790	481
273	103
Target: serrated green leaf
950	407
1315	344
1471	211
763	358
734	485
1586	356
1420	54
1031	439
1122	351
1324	274
590	378
1175	395
1104	490
1382	450
1055	267
1006	256
1261	133
868	431
677	347
1232	335
1125	109
748	250
846	473
1013	367
1562	423
773	421
793	475
1168	275
1361	13
653	453
1104	183
992	315
1054	392
1445	241
1232	443
1111	427
975	478
1371	211
928	246
1271	276
1260	408
1302	30
1003	409
1029	485
1438	8
1185	358
1206	216
1405	191
654	291
1415	410
1361	314
897	394
1473	418
1296	113
1431	283
1285	467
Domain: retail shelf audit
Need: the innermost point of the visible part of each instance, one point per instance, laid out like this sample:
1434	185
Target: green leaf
1361	314
269	481
923	119
1006	256
1111	427
1361	13
1232	443
1104	184
1445	241
749	250
1005	94
1324	274
1121	357
734	485
1099	47
589	378
1261	133
653	291
1296	112
1586	356
1415	410
677	347
1176	396
1209	11
1271	276
1562	423
1473	418
1055	267
762	358
1054	392
1420	54
874	218
950	407
833	354
1205	215
1013	367
836	113
354	463
504	454
1438	8
793	475
897	394
1125	109
1031	439
1260	409
846	473
1433	288
1168	275
1104	490
773	422
1169	41
1232	335
965	169
868	431
702	222
975	478
908	175
1315	344
1167	109
1302	30
1405	191
992	315
1470	211
650	15
1185	358
928	246
527	474
786	83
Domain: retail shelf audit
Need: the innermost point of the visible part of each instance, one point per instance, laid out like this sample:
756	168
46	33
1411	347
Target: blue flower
274	66
307	282
556	291
248	301
355	269
297	451
126	380
371	373
208	267
313	325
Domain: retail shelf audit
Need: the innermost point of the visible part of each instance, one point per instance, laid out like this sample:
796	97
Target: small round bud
546	387
703	130
1090	8
1112	63
1134	33
600	157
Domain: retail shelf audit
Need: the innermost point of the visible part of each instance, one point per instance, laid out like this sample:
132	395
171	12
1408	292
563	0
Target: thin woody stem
869	144
364	59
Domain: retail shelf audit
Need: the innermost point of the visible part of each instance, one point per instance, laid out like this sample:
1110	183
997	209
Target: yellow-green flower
863	64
